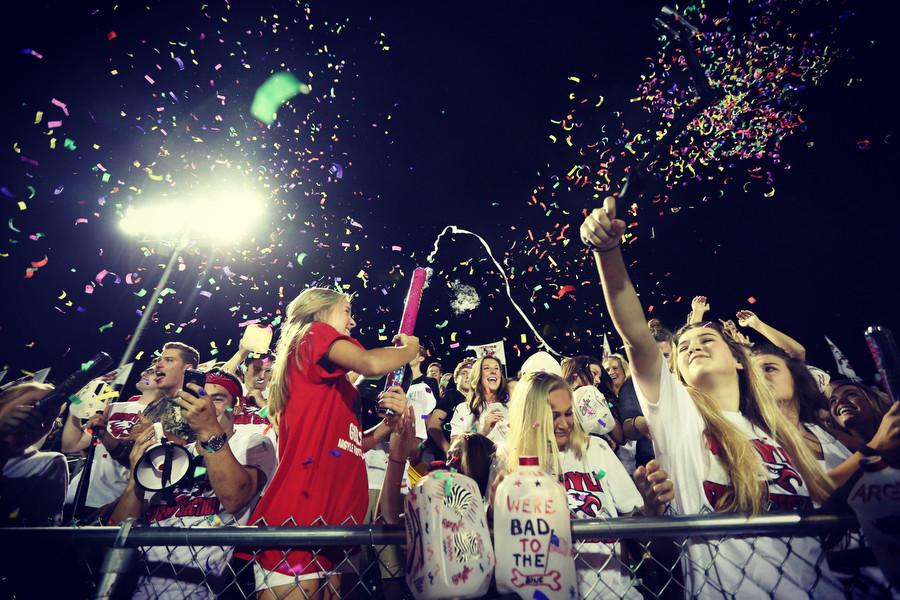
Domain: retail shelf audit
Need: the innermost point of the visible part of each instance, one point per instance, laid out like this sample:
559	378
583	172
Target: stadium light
218	215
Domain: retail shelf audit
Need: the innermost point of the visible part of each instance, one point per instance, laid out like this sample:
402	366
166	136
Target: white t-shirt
34	487
599	487
732	567
834	452
463	421
108	477
196	505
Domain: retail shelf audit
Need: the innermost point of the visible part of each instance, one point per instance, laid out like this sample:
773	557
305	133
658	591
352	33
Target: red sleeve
313	351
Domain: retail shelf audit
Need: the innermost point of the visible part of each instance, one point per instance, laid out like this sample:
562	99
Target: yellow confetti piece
523	339
22	205
575	79
38	117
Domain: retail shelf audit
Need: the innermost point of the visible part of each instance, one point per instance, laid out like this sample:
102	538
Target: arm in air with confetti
601	232
748	319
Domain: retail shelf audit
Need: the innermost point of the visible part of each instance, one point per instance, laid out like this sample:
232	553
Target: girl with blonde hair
719	433
542	423
321	475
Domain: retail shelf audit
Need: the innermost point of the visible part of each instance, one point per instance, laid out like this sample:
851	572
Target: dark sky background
441	114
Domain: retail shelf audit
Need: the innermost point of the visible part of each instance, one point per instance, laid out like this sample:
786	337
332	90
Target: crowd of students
698	421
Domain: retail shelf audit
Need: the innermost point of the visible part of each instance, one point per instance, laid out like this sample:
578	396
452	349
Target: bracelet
399	462
602	251
867	450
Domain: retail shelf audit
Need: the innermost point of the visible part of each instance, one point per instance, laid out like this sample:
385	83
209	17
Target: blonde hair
738	456
531	423
311	305
623	363
477	397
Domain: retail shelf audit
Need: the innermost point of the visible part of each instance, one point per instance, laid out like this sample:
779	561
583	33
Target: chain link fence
627	558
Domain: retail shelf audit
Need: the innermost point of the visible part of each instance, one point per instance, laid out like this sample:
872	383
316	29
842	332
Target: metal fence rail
98	560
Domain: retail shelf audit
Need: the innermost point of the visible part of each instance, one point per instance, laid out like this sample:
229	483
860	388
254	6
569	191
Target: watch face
215	443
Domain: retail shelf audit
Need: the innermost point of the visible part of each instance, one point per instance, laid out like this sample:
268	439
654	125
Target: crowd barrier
135	560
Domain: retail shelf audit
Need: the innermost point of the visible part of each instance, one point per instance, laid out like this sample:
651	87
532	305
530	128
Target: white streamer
455	229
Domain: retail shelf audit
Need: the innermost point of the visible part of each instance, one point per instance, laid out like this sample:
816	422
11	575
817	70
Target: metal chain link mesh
630	569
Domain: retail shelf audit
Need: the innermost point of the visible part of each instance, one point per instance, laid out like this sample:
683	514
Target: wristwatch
214	443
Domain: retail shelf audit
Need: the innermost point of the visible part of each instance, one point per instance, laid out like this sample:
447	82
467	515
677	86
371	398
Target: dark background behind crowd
470	91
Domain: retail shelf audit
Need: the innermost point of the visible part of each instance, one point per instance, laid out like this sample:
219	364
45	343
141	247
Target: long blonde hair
311	305
738	457
477	397
531	423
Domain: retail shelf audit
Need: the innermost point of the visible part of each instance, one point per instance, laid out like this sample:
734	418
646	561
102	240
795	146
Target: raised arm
699	307
601	231
780	339
377	361
403	443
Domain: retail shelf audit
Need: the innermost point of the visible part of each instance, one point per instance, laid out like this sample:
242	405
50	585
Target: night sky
424	115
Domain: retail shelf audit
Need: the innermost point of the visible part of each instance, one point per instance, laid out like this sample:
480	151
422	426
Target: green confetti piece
69	144
74	399
442	325
107	326
264	412
87	365
105	178
601	474
200	472
167	291
141	293
278	89
300	258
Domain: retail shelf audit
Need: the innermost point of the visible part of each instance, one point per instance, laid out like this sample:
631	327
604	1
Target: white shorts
268	579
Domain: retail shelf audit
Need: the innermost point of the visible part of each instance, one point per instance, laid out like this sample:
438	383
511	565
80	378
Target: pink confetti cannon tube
407	325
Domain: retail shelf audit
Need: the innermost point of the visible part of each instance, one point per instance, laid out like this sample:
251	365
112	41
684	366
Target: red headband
227	383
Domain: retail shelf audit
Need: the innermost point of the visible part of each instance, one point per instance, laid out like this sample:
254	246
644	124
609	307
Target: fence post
117	562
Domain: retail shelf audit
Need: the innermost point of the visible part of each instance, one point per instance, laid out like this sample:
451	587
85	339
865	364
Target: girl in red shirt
321	475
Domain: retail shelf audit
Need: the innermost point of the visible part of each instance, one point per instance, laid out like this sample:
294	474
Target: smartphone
193	376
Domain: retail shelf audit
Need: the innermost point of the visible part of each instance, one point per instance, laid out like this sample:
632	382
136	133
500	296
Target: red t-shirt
321	474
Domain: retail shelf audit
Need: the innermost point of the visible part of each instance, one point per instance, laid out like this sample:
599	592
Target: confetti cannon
407	326
887	359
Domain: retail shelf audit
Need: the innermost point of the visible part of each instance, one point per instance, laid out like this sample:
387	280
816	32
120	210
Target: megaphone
592	411
164	465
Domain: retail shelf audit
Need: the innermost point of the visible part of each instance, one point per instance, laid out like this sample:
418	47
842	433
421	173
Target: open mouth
493	379
260	380
846	409
159	376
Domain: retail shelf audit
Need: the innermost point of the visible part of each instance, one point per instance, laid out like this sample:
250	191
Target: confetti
278	89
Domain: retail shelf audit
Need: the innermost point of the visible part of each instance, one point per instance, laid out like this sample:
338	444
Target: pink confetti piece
751	300
61	105
80	220
149	79
54	124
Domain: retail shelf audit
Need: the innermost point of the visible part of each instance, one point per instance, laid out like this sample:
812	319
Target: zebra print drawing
459	499
467	547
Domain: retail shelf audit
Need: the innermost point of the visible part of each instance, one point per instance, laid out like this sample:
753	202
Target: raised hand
601	230
699	305
747	319
393	399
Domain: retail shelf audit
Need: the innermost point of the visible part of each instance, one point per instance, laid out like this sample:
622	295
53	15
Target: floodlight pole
154	298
